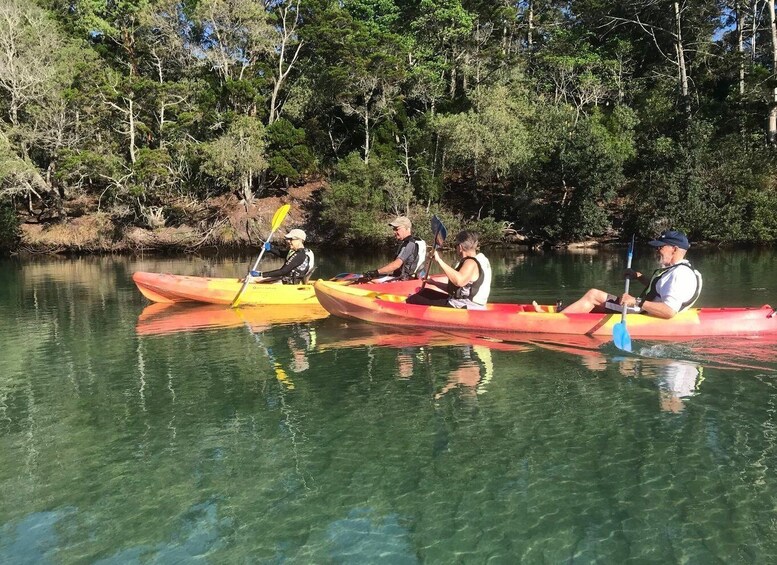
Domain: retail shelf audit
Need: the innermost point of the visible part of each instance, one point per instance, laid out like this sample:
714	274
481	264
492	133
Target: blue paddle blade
621	337
439	231
441	236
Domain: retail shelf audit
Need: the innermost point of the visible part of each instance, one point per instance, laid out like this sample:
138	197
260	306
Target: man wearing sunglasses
298	260
672	288
410	254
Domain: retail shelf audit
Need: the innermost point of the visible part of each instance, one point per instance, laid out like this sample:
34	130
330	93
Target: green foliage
357	198
238	154
593	162
87	168
287	153
443	22
715	188
11	165
489	230
492	139
9	226
153	171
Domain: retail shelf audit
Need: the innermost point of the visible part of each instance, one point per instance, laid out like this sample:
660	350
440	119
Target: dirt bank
223	222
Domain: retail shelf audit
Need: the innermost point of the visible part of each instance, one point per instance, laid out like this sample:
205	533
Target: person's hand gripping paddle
440	233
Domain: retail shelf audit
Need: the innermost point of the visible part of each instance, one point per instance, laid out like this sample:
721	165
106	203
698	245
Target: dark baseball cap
671	237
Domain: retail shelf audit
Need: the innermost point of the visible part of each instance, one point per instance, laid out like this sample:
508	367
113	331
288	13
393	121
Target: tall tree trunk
741	44
248	195
14	110
772	125
504	37
287	32
131	125
680	49
366	136
754	30
452	84
530	31
162	106
465	63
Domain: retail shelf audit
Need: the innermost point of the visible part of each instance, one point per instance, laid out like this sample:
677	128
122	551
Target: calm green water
127	436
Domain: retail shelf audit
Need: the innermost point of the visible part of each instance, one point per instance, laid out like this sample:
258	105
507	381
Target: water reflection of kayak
159	319
365	335
351	302
167	288
730	352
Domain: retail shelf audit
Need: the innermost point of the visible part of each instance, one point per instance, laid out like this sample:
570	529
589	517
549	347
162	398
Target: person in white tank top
469	282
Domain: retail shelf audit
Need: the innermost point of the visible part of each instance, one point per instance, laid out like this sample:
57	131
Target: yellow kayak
168	288
178	288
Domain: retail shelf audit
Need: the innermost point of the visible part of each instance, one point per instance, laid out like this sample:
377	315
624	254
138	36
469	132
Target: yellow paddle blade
279	215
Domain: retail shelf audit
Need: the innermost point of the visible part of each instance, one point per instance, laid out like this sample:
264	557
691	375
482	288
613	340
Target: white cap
296	233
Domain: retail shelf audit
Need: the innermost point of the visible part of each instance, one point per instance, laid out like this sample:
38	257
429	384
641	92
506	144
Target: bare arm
459	278
391	267
656	309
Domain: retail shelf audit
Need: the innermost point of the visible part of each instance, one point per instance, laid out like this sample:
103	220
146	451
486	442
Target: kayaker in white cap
410	254
672	288
298	260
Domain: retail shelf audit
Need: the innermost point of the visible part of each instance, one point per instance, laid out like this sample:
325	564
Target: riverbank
184	226
81	226
226	223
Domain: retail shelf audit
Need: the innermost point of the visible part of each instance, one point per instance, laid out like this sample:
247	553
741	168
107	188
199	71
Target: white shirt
677	286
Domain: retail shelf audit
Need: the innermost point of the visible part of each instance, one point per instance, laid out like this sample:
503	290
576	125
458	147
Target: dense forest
555	120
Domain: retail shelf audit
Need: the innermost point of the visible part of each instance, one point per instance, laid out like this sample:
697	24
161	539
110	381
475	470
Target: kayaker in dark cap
410	254
298	260
672	288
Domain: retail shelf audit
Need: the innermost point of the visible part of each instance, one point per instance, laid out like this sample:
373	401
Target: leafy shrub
9	226
287	154
354	202
87	168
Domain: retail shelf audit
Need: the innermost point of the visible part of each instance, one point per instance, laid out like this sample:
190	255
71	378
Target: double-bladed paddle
440	234
620	333
277	218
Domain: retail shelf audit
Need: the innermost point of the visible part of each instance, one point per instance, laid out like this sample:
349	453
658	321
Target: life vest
410	268
478	290
298	274
651	291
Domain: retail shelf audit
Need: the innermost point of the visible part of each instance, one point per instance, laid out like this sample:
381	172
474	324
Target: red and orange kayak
384	308
178	288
